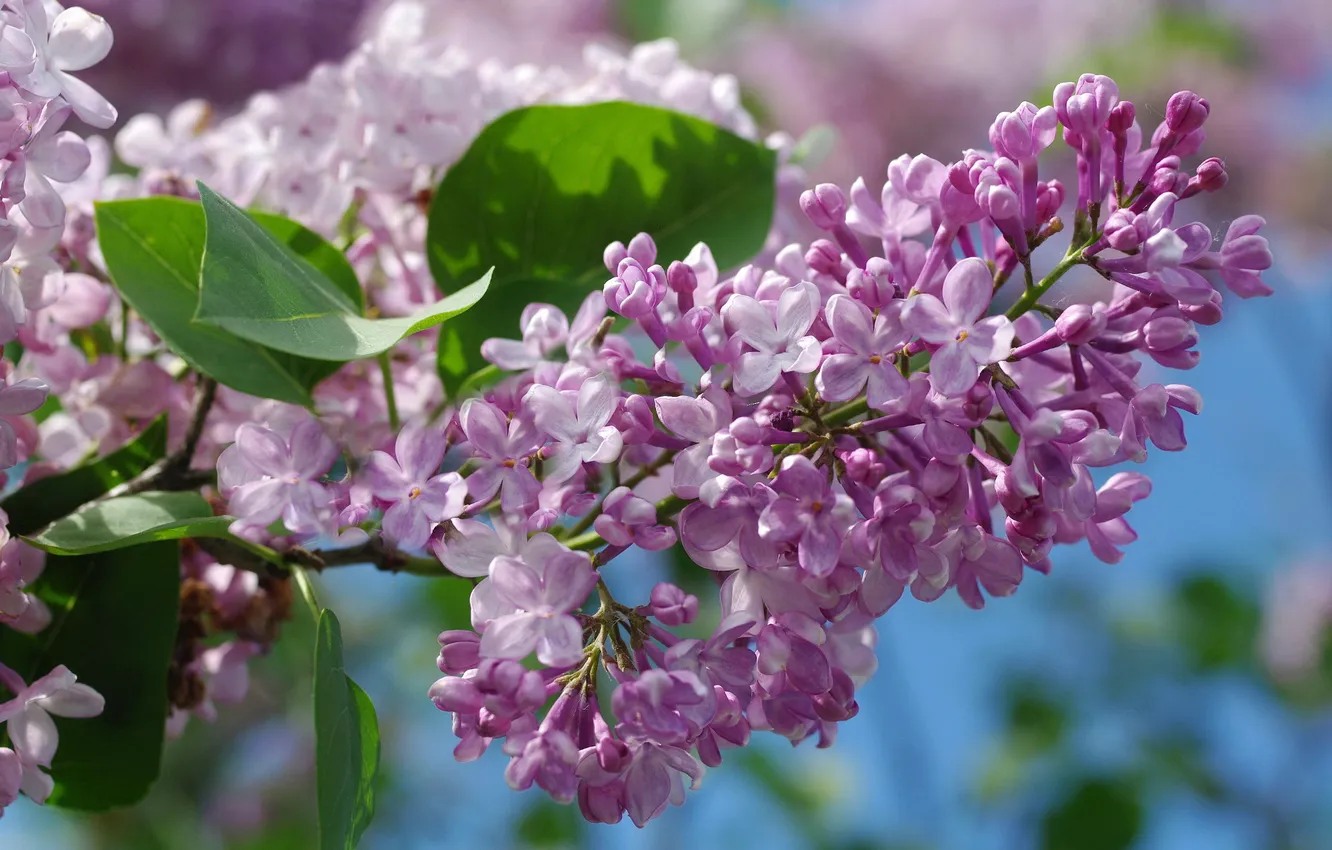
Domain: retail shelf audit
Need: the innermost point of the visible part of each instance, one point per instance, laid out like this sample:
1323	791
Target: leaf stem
390	396
302	580
1033	294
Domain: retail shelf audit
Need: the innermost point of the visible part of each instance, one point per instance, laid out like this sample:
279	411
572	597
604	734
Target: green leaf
47	499
316	251
1216	625
256	287
114	626
544	189
1098	814
130	520
154	249
548	824
1036	721
346	744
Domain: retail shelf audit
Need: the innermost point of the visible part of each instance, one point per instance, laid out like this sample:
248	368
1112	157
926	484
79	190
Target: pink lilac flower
543	602
873	343
503	450
269	478
778	335
33	732
419	497
579	426
966	341
17	399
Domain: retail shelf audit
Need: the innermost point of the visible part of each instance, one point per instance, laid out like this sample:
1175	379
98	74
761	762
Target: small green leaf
114	619
154	249
47	499
346	744
548	824
543	190
257	288
1098	814
1217	626
1036	721
130	520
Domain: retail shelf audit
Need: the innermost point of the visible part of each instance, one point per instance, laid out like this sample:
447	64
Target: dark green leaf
1098	814
154	249
543	190
1036	721
256	287
548	824
113	625
46	500
448	600
1217	626
346	744
130	520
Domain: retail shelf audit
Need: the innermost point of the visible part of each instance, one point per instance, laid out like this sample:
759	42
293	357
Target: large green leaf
130	520
256	287
346	744
114	626
154	249
47	499
316	251
543	190
1097	814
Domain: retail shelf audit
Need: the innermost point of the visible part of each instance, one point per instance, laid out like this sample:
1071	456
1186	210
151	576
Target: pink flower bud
671	605
824	258
643	249
824	206
1079	324
1186	112
681	278
460	651
1121	117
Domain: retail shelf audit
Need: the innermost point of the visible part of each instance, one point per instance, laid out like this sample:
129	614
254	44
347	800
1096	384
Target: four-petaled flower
966	341
778	333
418	495
268	478
542	622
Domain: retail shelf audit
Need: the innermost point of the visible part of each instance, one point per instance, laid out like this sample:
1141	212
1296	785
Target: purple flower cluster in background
854	423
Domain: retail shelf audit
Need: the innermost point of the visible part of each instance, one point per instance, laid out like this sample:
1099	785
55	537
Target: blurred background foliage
1180	700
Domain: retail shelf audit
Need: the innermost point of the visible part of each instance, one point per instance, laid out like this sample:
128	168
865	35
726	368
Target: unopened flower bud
671	605
824	258
1079	324
459	651
824	205
1121	117
681	278
643	249
1186	112
615	254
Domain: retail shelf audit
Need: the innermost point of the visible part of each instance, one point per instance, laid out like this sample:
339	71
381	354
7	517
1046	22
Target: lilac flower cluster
379	127
42	45
824	436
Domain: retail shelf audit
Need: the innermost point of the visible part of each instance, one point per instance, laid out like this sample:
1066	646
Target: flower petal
968	290
511	636
952	371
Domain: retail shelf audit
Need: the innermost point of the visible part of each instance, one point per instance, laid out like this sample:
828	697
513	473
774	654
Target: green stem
122	347
846	413
1033	294
390	396
307	590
